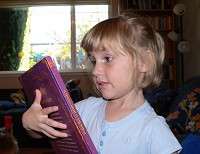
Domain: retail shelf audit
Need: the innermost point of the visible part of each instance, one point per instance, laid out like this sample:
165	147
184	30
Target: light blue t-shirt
141	132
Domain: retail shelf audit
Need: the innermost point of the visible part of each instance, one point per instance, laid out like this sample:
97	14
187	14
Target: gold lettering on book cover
46	101
74	110
67	145
43	91
71	142
68	139
69	150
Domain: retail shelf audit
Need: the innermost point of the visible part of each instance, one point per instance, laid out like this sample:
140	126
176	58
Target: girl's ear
147	61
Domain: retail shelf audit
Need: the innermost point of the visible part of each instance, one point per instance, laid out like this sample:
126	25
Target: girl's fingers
41	121
38	96
48	110
51	132
55	124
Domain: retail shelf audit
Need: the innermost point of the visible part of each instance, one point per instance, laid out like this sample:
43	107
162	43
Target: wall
191	32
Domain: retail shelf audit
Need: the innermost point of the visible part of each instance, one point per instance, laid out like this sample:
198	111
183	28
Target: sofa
181	108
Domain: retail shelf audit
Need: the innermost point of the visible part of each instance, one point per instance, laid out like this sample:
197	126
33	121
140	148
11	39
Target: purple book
45	76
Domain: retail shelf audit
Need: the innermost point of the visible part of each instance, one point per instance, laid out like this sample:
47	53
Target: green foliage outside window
12	26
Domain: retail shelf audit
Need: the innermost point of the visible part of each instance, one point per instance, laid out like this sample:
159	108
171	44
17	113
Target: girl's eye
108	59
92	60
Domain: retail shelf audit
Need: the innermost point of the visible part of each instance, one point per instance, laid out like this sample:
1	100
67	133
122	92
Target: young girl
126	56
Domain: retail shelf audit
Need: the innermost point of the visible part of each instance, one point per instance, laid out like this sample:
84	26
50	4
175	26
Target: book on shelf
45	77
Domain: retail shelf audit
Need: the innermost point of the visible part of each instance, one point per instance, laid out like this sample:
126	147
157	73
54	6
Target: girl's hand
35	120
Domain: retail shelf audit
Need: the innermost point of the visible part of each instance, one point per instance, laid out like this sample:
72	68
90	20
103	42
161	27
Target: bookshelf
159	14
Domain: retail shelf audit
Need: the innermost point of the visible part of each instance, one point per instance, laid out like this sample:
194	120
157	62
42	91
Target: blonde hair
133	36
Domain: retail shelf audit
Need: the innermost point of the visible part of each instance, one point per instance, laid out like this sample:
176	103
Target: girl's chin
106	97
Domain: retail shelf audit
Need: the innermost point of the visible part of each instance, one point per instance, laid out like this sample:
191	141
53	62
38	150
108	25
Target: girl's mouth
102	85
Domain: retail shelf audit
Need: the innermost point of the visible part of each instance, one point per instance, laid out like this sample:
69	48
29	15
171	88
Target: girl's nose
97	70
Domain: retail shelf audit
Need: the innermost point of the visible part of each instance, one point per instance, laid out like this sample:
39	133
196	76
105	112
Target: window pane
86	17
50	34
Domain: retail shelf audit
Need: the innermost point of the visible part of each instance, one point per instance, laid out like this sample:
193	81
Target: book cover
45	77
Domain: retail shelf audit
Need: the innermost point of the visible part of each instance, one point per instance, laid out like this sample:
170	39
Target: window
57	31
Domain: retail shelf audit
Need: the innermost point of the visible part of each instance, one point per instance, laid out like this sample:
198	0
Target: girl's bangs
101	36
